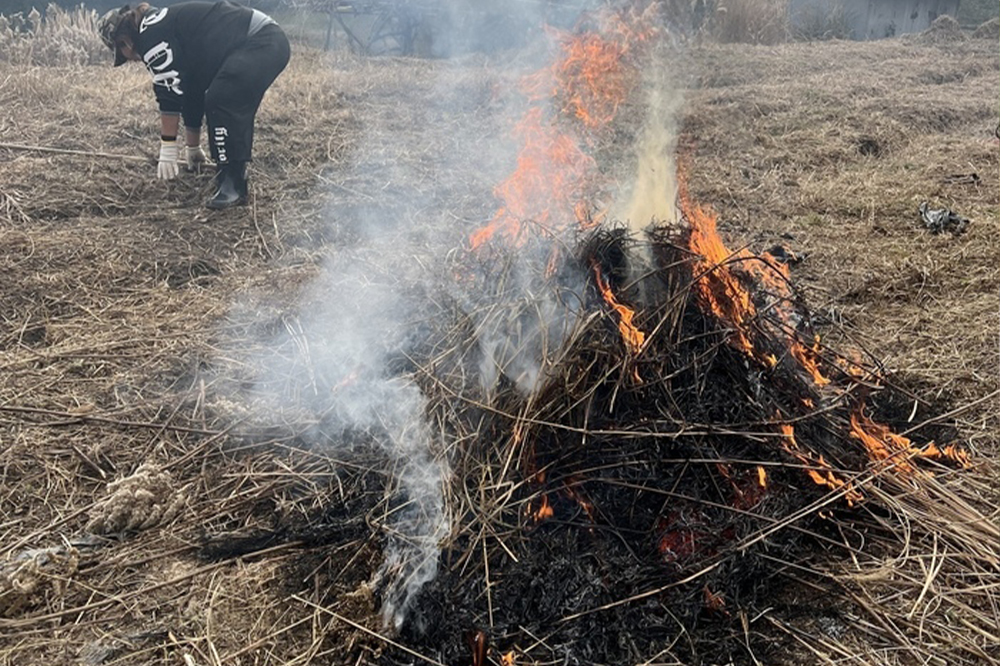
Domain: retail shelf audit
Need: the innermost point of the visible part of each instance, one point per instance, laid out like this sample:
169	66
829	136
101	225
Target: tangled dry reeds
57	37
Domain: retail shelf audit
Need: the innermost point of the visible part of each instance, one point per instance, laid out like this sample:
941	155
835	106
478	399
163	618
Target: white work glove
168	168
195	158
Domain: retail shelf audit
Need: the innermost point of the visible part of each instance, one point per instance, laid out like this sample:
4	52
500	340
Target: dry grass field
155	511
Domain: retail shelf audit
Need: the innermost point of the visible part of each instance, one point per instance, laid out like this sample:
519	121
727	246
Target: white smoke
346	354
520	348
652	196
344	359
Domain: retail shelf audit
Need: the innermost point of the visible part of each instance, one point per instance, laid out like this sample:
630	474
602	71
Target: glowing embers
682	537
689	536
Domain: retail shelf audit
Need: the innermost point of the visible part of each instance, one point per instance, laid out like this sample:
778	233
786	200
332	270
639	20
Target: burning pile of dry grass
687	447
650	501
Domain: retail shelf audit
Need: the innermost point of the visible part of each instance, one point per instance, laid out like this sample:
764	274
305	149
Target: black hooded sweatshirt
184	45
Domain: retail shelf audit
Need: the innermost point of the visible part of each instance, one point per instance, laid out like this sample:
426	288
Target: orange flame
543	512
883	445
721	292
819	470
588	82
854	366
548	185
950	453
592	78
808	358
724	294
631	335
745	496
761	477
717	286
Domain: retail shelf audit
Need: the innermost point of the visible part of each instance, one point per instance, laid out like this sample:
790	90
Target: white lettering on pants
220	142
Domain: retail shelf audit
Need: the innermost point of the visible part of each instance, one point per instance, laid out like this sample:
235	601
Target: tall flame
557	179
586	84
592	78
547	187
717	286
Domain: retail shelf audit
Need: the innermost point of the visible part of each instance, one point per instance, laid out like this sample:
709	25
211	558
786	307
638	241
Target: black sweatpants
233	97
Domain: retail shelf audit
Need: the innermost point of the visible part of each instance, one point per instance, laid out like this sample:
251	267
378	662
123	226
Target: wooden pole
80	153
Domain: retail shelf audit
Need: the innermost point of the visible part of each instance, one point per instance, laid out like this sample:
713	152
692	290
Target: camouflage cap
108	26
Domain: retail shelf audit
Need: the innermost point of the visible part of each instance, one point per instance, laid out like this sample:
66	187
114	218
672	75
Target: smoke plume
347	351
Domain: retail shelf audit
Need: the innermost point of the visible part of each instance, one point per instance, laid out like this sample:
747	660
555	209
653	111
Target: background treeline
13	6
63	32
974	12
971	12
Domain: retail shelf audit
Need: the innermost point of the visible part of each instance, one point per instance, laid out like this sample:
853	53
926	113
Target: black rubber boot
232	190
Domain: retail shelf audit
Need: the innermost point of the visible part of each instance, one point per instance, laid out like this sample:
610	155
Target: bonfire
684	443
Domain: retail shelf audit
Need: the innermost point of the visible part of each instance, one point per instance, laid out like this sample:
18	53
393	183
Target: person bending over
211	61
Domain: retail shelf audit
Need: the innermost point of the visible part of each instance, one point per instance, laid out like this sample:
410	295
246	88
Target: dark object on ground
785	255
942	219
963	179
